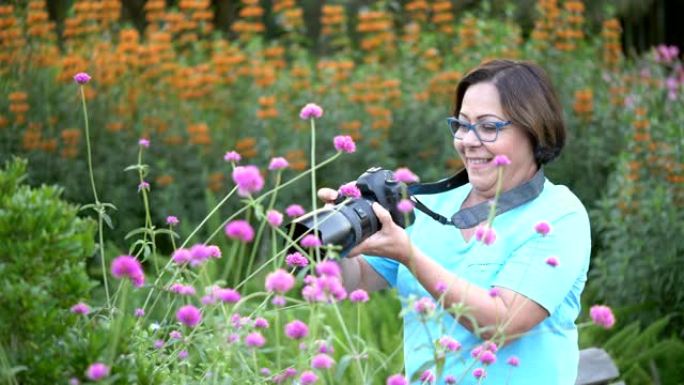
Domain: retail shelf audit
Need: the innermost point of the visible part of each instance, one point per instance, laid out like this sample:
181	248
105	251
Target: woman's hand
327	195
391	241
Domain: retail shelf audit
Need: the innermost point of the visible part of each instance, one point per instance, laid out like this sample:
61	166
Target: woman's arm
358	274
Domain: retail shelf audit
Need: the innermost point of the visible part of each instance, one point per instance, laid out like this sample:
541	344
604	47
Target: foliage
43	248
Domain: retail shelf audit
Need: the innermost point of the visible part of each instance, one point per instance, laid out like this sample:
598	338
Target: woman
523	290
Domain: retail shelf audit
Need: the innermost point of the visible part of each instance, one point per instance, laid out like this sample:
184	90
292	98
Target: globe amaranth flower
158	344
82	78
494	292
308	377
296	259
248	179
602	315
80	308
322	361
449	379
487	357
405	206
479	373
139	312
274	218
323	289
226	295
144	142
97	371
427	377
183	354
552	261
513	361
261	323
181	256
542	227
349	190
175	335
294	210
311	110
279	281
485	234
296	330
240	229
143	186
189	316
278	163
501	160
126	266
424	306
172	220
310	240
324	347
405	175
396	379
344	143
200	253
449	344
358	295
255	340
74	381
232	156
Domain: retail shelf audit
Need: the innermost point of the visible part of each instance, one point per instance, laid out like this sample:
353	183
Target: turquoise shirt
548	353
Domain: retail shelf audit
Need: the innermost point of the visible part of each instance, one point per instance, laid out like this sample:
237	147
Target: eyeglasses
485	131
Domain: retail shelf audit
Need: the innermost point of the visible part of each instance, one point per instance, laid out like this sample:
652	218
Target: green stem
313	182
116	331
88	150
345	331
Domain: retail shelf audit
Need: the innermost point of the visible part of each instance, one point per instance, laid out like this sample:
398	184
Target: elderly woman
522	291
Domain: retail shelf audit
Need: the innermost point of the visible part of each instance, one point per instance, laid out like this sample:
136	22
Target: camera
351	221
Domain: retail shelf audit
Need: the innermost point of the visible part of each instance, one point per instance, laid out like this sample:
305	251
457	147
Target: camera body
351	221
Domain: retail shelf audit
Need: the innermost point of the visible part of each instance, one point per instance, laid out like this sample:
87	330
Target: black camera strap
471	216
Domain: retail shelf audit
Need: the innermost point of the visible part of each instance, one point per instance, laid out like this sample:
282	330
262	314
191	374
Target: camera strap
472	216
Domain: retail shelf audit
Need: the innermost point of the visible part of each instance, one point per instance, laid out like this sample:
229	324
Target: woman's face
481	103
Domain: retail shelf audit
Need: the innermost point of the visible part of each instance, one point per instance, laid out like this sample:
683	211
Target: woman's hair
527	98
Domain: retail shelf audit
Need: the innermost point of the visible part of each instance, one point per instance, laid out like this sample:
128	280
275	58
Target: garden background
199	78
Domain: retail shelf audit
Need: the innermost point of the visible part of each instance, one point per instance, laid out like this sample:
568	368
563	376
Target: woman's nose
471	139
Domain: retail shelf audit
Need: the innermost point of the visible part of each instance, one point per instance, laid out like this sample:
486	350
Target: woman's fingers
327	195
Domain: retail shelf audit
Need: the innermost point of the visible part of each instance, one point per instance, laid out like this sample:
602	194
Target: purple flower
183	354
181	256
491	346
232	156
323	289
255	340
143	142
358	295
175	334
248	179
296	259
311	110
501	160
513	361
543	228
308	377
479	373
350	190
274	218
487	357
126	266
344	143
324	347
189	316
240	229
328	268
294	210
200	253
261	323
97	371
602	316
172	220
233	338
494	292
397	379
296	330
143	186
449	344
427	377
485	234
265	371
80	308
552	261
279	281
139	312
322	361
310	240
405	206
74	381
449	379
278	163
158	344
82	78
279	301
441	287
424	306
214	251
227	295
405	175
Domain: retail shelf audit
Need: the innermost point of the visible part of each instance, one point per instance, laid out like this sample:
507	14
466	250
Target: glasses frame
473	128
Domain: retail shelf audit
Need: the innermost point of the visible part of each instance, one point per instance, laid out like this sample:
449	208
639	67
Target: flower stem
313	182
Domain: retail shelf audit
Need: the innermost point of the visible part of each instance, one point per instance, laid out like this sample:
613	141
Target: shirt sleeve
530	271
387	268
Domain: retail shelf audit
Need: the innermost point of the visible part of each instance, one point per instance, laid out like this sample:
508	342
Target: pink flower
274	218
158	344
80	308
279	300
175	335
328	268
543	228
308	377
552	261
183	354
278	163
200	253
126	266
240	229
248	179
424	306
501	160
255	340
487	357
491	346
261	323
479	373
143	142
310	240
97	371
323	289
296	259
405	206
323	347
226	295
322	361
74	381
602	316
181	256
296	330
232	156
494	292
403	174
427	377
350	190
344	143
513	361
171	220
82	78
143	186
214	251
397	379
449	379
189	316
294	210
139	312
485	234
449	344
358	295
441	287
311	110
279	281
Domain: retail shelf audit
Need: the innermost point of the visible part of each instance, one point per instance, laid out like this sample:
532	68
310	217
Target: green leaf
342	366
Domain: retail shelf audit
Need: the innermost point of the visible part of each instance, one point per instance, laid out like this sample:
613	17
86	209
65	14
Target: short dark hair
529	100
